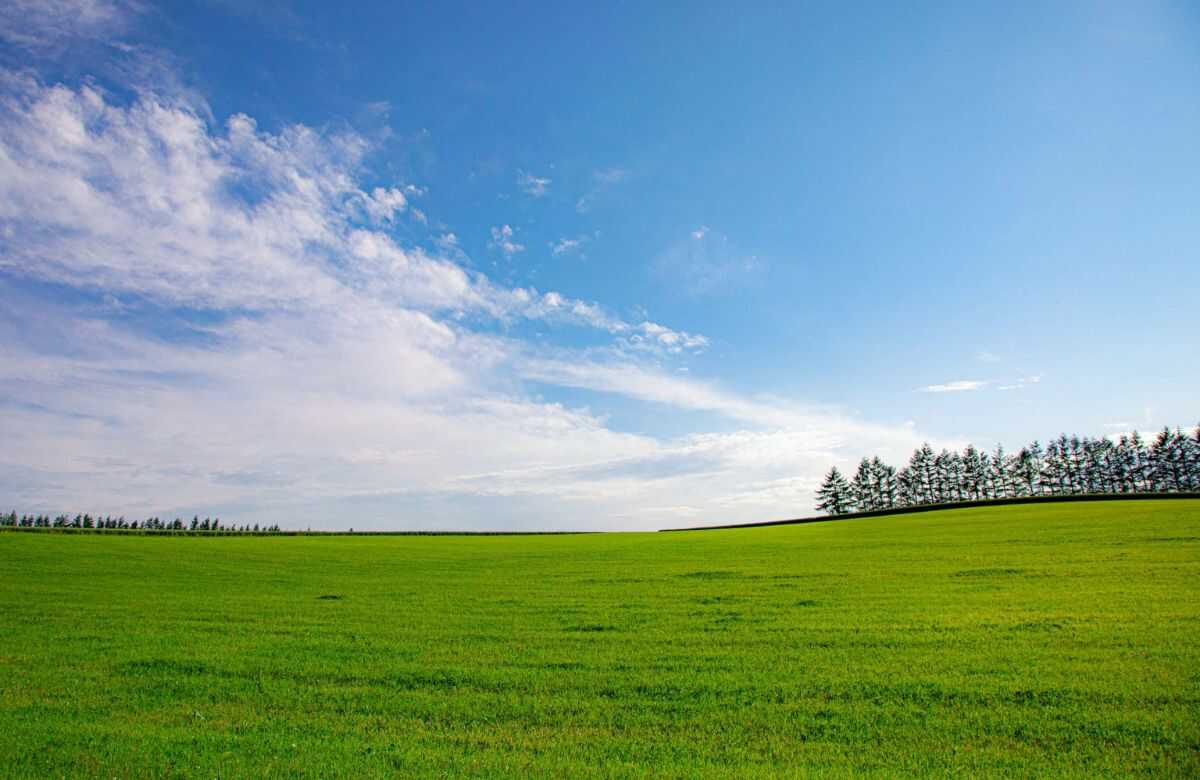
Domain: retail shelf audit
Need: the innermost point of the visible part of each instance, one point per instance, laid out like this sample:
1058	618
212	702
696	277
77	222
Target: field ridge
971	504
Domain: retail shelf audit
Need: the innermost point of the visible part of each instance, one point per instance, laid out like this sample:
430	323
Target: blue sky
550	266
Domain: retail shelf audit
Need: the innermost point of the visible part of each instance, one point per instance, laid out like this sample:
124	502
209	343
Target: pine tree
972	478
942	488
999	474
1073	455
1166	475
924	475
983	478
833	495
1054	471
1179	460
862	491
1193	450
905	487
884	477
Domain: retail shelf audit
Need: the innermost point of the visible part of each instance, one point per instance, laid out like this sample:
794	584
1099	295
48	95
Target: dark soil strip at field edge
937	507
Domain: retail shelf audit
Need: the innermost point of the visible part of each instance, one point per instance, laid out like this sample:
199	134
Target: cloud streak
705	263
45	24
566	246
959	386
1021	383
602	181
534	186
503	240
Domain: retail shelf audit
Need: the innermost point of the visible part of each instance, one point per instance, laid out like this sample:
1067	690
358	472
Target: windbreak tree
862	488
999	469
833	497
884	477
1066	466
1193	450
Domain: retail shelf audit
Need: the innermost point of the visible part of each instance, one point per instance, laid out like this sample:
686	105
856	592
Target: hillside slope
1038	639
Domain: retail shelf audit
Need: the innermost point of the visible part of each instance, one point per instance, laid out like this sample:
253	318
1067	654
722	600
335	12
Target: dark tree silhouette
834	495
1067	465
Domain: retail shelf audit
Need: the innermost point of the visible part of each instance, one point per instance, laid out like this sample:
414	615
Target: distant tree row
12	520
1065	466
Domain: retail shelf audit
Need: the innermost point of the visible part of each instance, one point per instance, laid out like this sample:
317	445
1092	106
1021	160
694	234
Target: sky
617	266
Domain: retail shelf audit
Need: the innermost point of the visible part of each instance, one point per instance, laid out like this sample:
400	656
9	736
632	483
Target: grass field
1039	640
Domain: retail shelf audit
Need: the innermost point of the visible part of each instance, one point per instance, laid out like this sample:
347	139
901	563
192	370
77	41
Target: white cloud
601	181
960	386
382	205
41	24
1021	383
566	246
653	336
553	307
502	239
705	263
966	385
143	200
529	184
448	245
608	176
243	334
360	405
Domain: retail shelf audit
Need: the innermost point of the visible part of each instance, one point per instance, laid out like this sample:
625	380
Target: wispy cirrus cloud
44	24
571	246
1020	383
958	386
534	186
705	263
968	385
503	238
566	246
652	336
602	180
610	176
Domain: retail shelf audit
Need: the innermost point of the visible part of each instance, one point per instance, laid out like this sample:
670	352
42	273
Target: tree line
12	520
1068	465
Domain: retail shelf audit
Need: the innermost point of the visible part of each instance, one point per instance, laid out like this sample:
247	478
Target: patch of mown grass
1058	639
987	572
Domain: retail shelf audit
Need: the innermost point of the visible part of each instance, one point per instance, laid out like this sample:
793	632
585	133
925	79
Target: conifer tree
998	476
861	490
1166	475
884	478
833	495
1193	450
972	472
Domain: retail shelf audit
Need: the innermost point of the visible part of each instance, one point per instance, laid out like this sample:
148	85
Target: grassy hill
1026	640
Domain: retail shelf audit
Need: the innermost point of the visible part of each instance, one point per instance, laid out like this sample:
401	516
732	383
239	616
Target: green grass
1034	640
